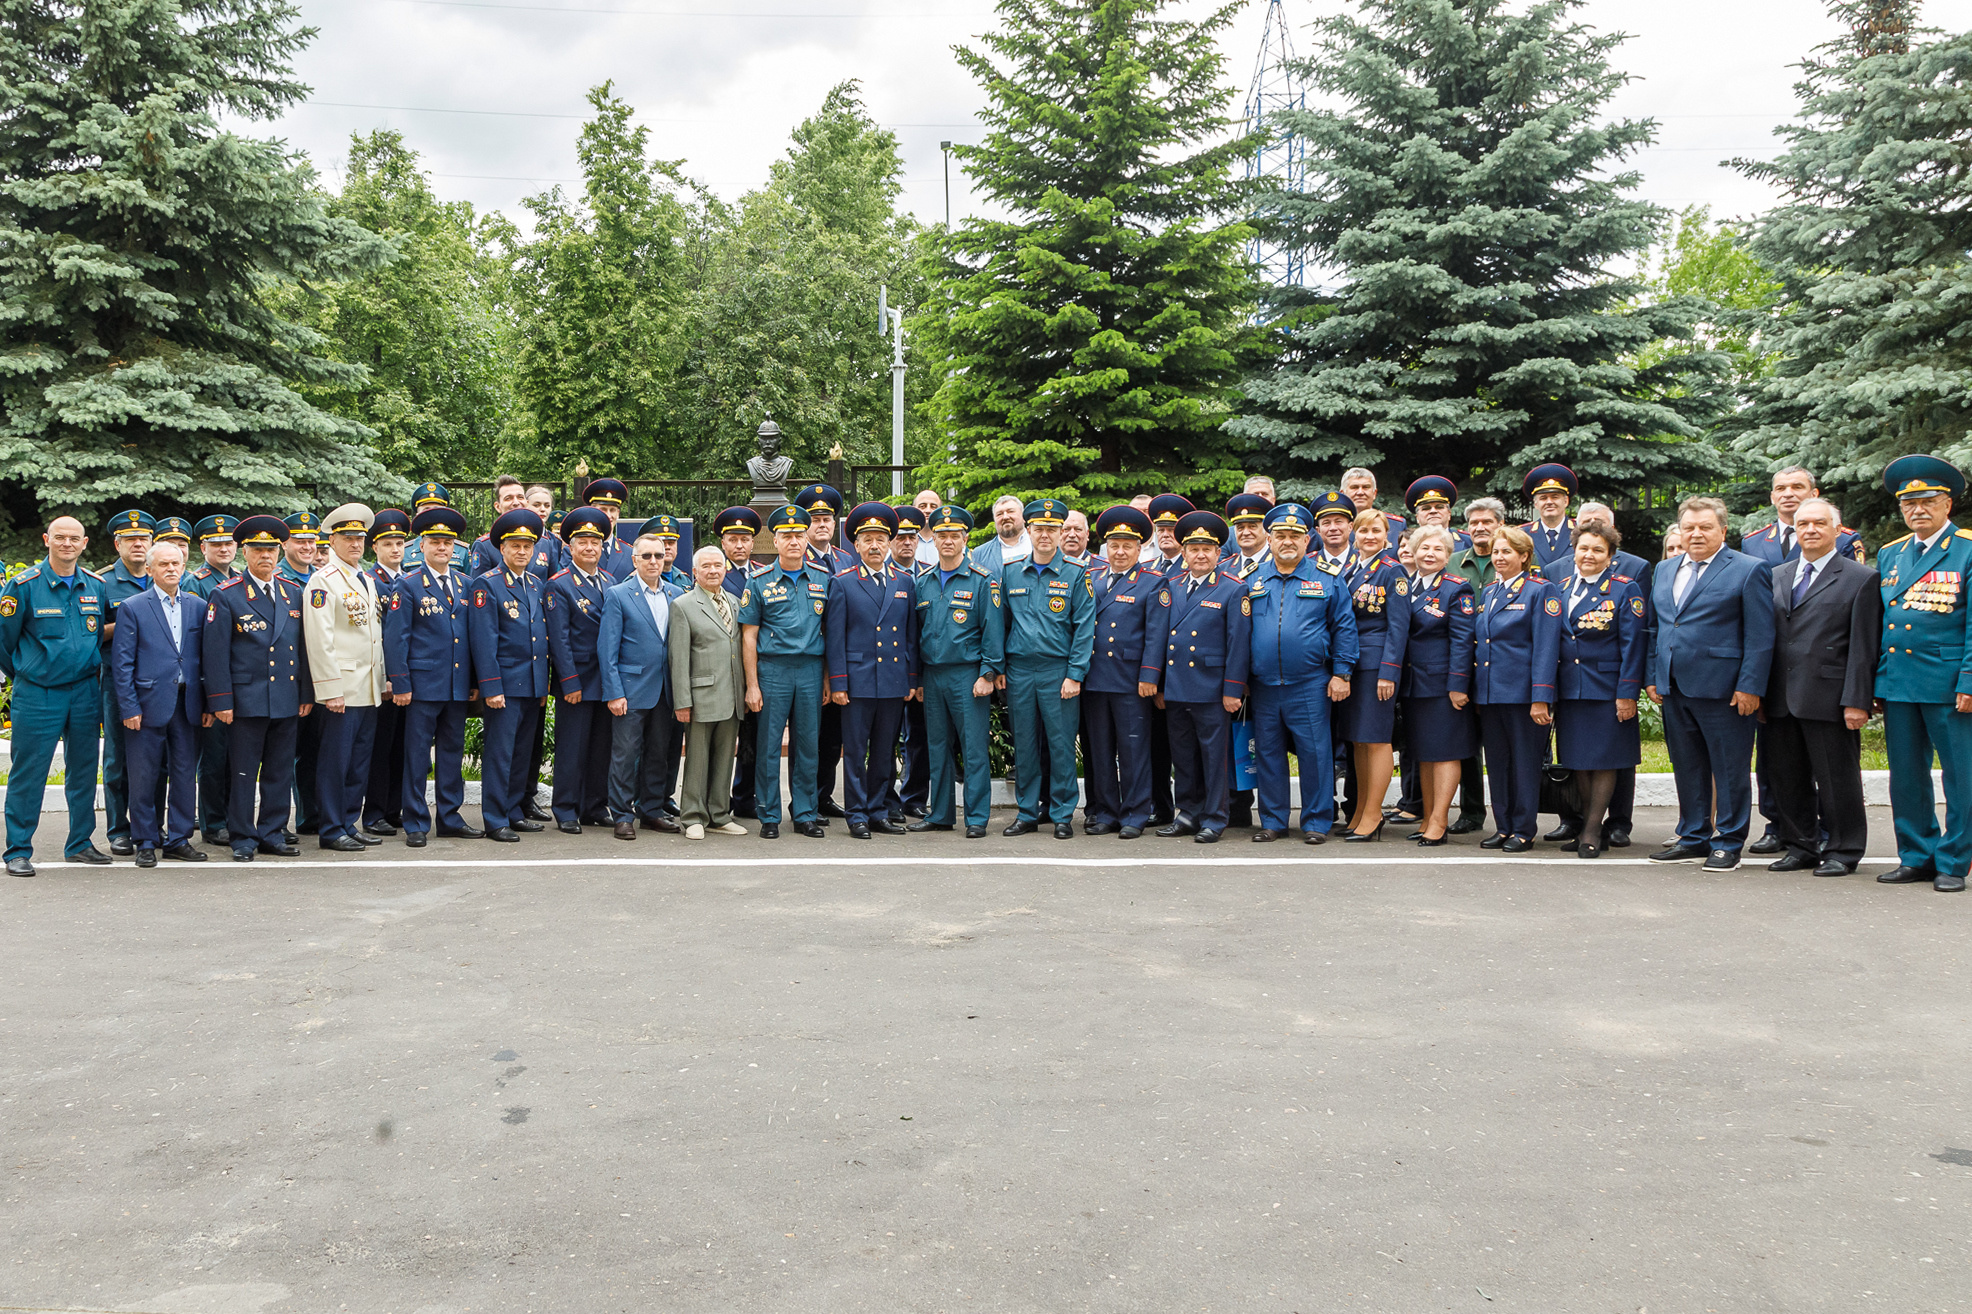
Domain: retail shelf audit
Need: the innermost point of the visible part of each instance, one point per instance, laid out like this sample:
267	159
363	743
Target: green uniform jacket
1927	627
52	633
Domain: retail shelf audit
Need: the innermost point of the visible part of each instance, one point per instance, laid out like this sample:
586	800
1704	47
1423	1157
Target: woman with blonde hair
1440	730
1379	592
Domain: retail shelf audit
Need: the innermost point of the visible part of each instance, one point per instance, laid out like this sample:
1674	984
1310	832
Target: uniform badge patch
958	617
1465	604
90	622
395	601
1403	587
1246	606
318	598
746	596
211	613
1554	606
820	607
1057	604
479	597
1636	606
1163	597
9	605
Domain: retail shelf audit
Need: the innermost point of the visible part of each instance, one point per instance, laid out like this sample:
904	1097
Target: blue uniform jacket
959	620
833	559
427	640
253	658
1602	639
1564	552
51	629
871	633
575	621
736	578
508	634
547	561
1303	627
1132	627
635	658
1049	613
1721	641
119	586
1927	626
1379	598
1209	642
145	667
1438	658
1516	641
1765	545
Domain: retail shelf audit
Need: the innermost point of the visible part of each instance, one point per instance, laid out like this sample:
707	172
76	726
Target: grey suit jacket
705	660
1824	651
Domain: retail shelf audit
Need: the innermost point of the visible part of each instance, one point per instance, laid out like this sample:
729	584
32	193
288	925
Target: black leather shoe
925	823
1562	834
973	832
916	811
829	808
894	818
812	829
1949	885
1721	860
367	841
1792	862
1176	828
1314	837
1099	828
665	824
885	826
242	855
91	855
529	826
1906	876
415	839
1518	844
184	853
770	830
532	811
343	844
1265	836
1352	836
1423	842
1767	843
1129	832
220	836
1063	830
380	827
281	850
290	835
147	857
1467	823
569	827
1681	853
122	848
1206	837
1616	839
1161	819
1418	835
463	832
20	867
859	830
1583	849
503	835
1833	867
1493	842
1022	828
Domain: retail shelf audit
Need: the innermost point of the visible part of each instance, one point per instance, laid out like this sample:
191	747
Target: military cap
517	523
950	517
303	524
662	526
1165	508
1290	516
1247	507
1203	527
1046	511
585	522
737	520
431	494
390	523
627	530
439	519
817	498
215	527
1331	503
130	522
174	529
877	517
555	517
1430	491
788	517
1553	475
262	530
1922	476
1123	522
349	518
606	492
910	520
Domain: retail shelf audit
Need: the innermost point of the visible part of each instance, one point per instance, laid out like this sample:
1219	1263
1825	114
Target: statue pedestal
765	502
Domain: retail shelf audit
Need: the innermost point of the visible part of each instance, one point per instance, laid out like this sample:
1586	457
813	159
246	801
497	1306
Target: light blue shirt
174	617
660	608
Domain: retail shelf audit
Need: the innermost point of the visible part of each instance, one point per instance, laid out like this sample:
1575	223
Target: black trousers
1814	770
582	746
639	749
1201	739
1116	767
307	751
829	753
537	751
260	755
743	801
383	799
1162	808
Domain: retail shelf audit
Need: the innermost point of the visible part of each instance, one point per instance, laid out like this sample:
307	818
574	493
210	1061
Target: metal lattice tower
1278	155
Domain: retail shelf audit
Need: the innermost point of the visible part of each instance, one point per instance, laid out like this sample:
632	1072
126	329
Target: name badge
1014	593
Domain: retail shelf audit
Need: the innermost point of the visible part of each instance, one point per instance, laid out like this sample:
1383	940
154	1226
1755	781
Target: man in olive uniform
1924	674
782	648
131	531
51	647
1050	636
960	644
342	620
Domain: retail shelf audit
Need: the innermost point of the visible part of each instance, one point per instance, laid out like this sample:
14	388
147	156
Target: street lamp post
891	320
946	147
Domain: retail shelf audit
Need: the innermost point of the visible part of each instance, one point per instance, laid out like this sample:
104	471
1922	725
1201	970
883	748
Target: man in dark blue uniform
214	536
254	663
906	801
824	507
131	531
1050	636
609	495
509	639
1551	487
1206	652
737	527
427	645
296	565
1430	501
1131	625
870	647
574	602
959	648
1163	556
427	496
383	798
782	652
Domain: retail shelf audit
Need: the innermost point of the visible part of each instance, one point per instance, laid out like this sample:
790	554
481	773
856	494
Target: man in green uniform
960	638
131	532
51	646
1049	623
782	642
1924	673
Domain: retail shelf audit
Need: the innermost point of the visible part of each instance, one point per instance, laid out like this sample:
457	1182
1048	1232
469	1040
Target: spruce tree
1468	203
1093	339
140	358
1870	246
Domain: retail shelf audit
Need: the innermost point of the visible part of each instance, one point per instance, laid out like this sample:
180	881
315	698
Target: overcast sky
721	82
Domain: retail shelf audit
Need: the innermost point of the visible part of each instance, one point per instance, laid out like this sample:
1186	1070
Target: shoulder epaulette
564	571
1963	533
1893	542
1846	529
231	582
27	575
97	575
1327	569
1624	579
1457	579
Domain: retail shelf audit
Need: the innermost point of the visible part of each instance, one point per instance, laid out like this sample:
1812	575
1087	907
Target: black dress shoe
1792	862
925	823
569	827
626	830
1562	834
1906	876
1064	830
1099	828
289	835
1425	843
828	808
503	835
770	830
1767	843
1615	839
220	836
1833	867
973	832
367	841
343	844
1721	860
184	853
859	830
529	826
1265	836
667	825
415	839
1176	828
1022	828
379	827
812	829
20	867
1949	885
122	848
1206	837
147	857
916	811
281	850
463	832
1467	823
886	826
1418	835
1681	853
1353	836
1129	832
242	855
532	811
89	854
1314	837
1518	844
894	818
1587	850
1493	842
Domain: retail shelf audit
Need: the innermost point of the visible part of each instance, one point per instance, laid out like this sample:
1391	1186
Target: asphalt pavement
926	1074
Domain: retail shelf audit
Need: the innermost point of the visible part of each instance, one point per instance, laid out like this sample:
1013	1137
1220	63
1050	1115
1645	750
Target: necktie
1786	539
1689	580
1801	585
725	610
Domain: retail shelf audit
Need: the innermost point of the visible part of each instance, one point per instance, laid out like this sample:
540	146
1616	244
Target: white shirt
1805	573
1583	583
1932	542
660	607
1688	570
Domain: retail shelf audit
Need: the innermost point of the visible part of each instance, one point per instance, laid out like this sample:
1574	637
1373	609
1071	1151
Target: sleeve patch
479	597
211	613
318	598
9	605
1246	606
1554	606
1636	606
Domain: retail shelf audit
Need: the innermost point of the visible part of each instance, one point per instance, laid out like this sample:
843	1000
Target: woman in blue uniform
1439	728
1379	591
1603	646
1516	646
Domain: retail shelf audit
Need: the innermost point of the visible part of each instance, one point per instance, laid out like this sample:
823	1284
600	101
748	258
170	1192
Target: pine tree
1470	203
140	358
1093	342
1870	247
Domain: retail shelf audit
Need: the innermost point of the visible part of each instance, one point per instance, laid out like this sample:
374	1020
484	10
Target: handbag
1243	761
1559	790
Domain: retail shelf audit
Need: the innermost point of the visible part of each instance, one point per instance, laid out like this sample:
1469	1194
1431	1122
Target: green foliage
430	325
1092	342
1870	250
140	357
1470	202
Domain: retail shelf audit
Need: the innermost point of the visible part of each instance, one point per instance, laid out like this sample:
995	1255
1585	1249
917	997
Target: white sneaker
731	828
694	831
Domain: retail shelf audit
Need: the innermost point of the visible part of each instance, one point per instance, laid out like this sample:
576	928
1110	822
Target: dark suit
1717	642
159	681
427	649
583	729
1206	656
255	665
870	635
1824	659
383	799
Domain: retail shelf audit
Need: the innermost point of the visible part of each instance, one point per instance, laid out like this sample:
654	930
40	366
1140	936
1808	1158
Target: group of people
1183	664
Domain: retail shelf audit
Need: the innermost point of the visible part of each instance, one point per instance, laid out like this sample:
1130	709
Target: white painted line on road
1063	860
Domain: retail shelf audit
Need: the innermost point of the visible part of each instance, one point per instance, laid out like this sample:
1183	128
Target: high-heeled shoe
1360	837
1425	843
1583	849
1415	835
